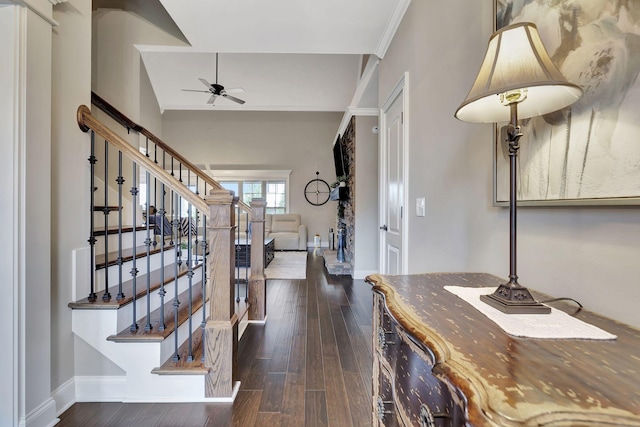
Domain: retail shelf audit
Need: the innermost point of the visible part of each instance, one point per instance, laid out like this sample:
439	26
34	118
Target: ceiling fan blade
233	98
194	90
206	83
235	90
212	99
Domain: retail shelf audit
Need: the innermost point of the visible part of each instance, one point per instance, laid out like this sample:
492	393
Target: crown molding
354	111
392	27
33	6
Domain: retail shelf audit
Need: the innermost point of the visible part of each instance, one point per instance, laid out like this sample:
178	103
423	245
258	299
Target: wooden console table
243	252
440	362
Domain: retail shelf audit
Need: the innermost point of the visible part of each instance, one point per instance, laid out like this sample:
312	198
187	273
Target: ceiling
287	55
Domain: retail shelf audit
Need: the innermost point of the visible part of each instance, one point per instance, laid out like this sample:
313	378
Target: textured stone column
221	330
257	280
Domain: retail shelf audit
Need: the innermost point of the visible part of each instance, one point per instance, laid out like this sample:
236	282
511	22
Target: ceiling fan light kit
218	90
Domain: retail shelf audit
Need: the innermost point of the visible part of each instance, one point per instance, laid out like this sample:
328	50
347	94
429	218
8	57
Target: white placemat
555	325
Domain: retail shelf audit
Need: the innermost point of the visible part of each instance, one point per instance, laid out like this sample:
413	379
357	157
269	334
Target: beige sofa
287	231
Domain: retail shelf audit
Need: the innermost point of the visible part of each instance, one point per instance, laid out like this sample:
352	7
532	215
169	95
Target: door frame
401	89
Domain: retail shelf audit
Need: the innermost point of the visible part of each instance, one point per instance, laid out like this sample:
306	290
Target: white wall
36	196
590	254
26	260
300	142
71	77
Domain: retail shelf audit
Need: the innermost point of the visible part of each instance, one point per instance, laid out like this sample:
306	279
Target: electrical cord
565	299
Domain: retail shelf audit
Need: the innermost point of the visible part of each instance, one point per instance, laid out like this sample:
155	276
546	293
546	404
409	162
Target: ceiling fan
218	90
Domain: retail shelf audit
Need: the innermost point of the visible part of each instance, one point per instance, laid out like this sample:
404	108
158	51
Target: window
276	197
251	190
273	191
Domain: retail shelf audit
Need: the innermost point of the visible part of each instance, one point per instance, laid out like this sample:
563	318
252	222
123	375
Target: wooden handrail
87	122
130	124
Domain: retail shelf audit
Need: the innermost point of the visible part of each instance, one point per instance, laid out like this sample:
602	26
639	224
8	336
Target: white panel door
393	200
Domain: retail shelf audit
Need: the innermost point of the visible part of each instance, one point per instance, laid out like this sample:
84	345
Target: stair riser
125	314
94	326
167	347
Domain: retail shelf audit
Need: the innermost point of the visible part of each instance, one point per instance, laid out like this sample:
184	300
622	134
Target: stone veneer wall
348	222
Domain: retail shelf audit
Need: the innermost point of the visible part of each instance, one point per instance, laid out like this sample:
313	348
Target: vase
340	253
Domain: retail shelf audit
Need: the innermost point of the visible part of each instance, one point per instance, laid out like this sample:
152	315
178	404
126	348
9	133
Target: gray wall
365	253
296	141
590	254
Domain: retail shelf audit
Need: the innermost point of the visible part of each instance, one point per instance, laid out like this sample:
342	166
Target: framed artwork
588	153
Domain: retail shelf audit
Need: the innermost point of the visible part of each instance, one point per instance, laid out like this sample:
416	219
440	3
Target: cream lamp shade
516	60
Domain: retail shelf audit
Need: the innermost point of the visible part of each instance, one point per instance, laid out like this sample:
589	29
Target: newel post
221	330
257	280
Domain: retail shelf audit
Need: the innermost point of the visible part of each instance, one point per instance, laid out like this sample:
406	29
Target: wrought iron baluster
248	256
107	295
238	252
119	261
162	212
176	301
204	245
147	242
172	209
134	270
155	191
190	276
92	238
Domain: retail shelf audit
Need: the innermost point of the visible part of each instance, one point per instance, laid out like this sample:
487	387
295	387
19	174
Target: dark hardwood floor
310	365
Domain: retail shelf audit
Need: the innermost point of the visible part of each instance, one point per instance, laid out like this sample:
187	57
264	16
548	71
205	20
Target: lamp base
514	299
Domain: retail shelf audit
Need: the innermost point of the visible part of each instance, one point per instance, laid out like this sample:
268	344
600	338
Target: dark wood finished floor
310	365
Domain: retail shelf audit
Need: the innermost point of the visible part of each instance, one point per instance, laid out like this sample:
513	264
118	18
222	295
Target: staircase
163	305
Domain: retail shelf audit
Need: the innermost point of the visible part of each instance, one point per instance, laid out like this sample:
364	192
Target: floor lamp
516	78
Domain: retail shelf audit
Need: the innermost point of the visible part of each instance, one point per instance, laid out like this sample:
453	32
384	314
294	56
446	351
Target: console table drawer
408	392
387	337
423	399
384	404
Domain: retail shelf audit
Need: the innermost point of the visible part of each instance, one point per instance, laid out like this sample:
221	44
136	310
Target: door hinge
402	117
401	212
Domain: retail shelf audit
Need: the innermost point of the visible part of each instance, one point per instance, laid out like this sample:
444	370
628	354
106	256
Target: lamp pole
512	297
513	136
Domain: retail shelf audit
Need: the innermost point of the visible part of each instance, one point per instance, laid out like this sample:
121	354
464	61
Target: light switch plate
420	206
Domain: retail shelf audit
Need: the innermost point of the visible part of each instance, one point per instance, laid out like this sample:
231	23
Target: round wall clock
317	191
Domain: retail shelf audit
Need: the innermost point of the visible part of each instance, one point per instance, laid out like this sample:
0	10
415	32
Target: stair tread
155	334
127	288
111	208
113	229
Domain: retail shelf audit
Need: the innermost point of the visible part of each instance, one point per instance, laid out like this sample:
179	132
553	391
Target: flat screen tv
338	158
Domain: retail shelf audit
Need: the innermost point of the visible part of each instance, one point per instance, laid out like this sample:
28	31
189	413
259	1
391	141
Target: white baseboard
361	274
100	389
259	322
96	389
65	396
43	416
173	399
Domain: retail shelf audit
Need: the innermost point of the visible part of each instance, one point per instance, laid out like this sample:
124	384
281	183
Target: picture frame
587	154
